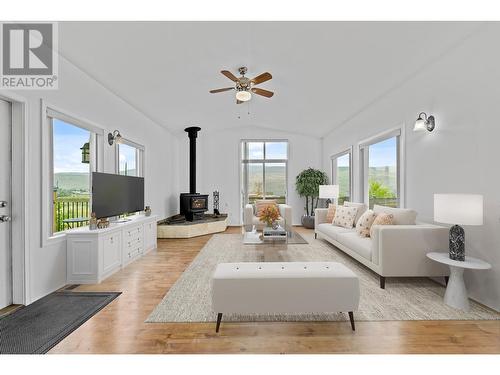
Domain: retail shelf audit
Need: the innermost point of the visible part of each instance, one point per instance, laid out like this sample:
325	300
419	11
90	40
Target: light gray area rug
189	299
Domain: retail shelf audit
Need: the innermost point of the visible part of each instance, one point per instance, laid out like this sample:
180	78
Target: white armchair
250	219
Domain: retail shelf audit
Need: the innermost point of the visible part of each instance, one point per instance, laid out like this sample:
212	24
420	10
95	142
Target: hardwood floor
120	327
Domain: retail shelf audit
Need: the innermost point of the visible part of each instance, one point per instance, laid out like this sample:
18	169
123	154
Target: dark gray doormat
38	327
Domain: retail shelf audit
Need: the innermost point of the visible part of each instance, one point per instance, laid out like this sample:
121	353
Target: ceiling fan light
243	96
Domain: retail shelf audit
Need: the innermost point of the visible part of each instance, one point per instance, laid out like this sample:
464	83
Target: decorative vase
93	221
275	225
147	211
307	221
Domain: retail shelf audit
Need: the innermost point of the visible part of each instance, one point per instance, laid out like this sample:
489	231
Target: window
381	170
342	175
73	158
264	170
129	158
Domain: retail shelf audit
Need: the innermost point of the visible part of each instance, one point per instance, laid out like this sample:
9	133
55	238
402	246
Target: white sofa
394	250
284	287
250	219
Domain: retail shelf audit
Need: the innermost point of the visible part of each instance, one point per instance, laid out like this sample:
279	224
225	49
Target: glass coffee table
270	246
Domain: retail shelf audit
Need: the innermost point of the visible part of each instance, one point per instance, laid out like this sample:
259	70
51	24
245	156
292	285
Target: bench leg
382	282
446	278
315	235
219	318
351	318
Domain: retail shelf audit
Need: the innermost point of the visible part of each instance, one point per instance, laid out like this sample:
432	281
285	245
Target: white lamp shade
328	191
462	209
419	125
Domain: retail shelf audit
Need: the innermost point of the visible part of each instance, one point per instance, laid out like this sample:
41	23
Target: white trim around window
244	161
333	171
140	156
97	163
363	158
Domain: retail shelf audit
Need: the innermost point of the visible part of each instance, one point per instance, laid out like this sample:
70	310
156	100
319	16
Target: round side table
456	293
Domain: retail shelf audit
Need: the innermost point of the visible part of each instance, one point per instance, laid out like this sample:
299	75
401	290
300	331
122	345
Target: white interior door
5	204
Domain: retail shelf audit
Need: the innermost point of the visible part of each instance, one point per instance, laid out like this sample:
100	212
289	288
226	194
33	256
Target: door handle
4	218
3	204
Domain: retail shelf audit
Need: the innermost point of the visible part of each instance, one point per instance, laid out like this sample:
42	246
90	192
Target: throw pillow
344	216
365	223
382	219
331	213
401	216
260	205
361	209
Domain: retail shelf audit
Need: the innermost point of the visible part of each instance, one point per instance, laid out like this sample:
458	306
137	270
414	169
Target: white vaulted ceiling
323	72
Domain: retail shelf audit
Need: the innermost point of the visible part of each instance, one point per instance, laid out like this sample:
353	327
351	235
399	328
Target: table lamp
328	192
458	209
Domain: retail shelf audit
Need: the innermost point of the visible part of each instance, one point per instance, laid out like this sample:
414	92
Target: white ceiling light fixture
243	96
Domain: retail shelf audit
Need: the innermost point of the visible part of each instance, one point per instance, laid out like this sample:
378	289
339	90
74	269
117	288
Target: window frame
48	113
363	149
244	176
139	156
333	159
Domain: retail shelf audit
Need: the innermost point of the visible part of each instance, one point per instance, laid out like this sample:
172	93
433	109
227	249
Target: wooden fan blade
229	75
221	90
239	101
261	78
262	92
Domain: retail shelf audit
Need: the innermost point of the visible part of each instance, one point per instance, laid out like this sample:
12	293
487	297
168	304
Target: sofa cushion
361	209
332	231
260	205
360	245
365	222
382	219
331	212
345	216
401	216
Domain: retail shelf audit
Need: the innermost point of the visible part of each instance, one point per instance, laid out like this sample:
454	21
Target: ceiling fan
244	86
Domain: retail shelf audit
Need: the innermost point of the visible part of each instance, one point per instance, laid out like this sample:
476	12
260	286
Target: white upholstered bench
292	287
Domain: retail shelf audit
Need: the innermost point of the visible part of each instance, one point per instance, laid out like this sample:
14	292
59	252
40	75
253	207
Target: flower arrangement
270	215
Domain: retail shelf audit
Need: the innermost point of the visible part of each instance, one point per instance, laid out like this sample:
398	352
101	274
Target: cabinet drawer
133	232
133	252
133	242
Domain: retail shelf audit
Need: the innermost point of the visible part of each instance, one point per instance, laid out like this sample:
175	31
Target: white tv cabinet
93	255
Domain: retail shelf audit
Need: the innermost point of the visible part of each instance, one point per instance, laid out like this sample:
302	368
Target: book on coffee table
272	234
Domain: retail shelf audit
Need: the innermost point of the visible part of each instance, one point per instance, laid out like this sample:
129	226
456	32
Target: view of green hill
384	175
275	180
72	181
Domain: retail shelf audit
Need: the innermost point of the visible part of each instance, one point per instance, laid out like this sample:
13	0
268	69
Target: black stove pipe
192	134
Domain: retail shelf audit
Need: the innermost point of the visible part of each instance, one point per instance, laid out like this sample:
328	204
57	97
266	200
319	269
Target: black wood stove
193	205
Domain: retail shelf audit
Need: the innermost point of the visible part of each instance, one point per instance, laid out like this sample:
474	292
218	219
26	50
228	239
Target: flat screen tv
114	194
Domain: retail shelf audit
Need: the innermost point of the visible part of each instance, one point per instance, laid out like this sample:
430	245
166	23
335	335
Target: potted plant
307	185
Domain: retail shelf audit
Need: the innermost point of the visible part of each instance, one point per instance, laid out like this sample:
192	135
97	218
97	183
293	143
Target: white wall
462	90
82	96
218	165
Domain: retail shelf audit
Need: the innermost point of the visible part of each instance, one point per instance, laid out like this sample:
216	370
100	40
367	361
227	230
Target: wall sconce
424	123
114	137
